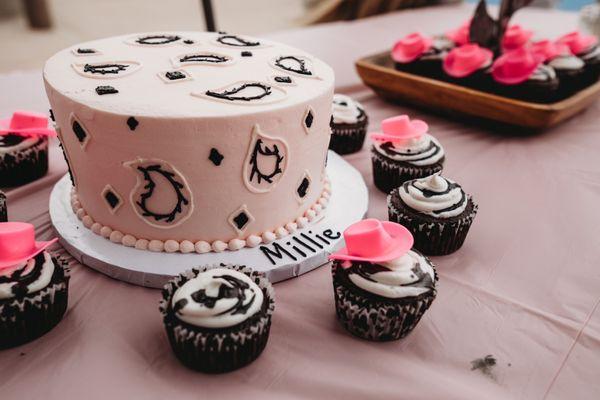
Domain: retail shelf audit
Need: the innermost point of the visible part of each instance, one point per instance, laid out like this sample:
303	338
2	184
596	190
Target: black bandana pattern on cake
265	163
203	58
297	65
154	40
107	69
245	92
236	41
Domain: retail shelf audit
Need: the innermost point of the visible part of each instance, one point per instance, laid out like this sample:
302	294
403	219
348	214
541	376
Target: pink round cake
192	141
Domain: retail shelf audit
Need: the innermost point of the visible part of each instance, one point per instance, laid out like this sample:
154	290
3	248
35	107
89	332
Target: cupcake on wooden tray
404	151
520	74
381	287
23	148
420	55
435	210
34	285
469	65
218	318
570	69
585	47
348	125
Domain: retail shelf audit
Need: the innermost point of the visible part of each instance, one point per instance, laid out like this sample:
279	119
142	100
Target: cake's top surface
187	74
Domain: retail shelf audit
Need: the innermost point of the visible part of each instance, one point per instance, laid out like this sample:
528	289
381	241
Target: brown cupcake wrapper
218	350
371	319
434	238
348	138
24	166
388	174
25	319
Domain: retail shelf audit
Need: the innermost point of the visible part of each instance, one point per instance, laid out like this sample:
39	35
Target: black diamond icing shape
241	220
52	115
102	90
132	123
246	54
303	187
79	131
188	41
308	120
175	75
215	156
86	51
111	198
283	79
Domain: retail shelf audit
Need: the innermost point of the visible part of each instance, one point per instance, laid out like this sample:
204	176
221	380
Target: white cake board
348	204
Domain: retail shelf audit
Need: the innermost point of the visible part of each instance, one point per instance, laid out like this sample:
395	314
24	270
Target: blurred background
33	30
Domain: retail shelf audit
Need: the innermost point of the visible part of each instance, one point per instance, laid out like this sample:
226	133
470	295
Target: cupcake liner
372	317
25	319
348	138
389	174
24	166
434	237
218	350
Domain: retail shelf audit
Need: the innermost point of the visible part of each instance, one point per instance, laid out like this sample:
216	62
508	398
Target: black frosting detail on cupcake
11	140
233	40
300	67
234	289
215	157
105	89
208	58
388	148
432	194
260	150
21	280
132	123
366	270
231	93
104	69
150	187
157	39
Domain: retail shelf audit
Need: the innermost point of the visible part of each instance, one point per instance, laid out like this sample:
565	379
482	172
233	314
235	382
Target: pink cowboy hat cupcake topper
26	123
515	37
578	42
17	243
515	66
400	128
374	241
466	59
549	49
410	47
460	35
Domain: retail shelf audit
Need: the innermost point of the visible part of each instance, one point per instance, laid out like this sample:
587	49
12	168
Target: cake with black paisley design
436	210
23	148
404	150
33	285
218	318
348	125
381	286
193	141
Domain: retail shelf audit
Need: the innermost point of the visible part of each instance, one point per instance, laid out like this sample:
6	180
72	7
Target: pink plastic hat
515	66
26	123
400	128
410	47
515	37
577	42
460	35
549	49
374	241
17	243
466	59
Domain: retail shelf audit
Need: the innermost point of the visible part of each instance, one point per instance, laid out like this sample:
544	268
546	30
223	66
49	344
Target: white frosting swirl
566	62
592	53
217	298
543	73
345	110
36	275
425	150
435	196
407	276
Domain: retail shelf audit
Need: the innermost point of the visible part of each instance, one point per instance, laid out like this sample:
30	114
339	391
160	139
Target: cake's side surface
192	141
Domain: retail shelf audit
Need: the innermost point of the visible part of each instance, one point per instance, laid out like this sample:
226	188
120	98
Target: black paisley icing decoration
236	94
233	40
85	51
151	186
104	69
293	64
264	151
154	40
232	288
204	58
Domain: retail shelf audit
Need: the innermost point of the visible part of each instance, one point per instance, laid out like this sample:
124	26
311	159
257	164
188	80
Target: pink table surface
524	288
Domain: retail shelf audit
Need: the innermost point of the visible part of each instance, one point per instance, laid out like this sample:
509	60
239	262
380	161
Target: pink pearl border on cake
187	246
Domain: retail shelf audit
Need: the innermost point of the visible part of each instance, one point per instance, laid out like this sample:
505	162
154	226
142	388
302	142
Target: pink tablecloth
524	289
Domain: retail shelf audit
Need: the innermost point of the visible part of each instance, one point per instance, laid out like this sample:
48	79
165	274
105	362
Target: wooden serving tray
378	72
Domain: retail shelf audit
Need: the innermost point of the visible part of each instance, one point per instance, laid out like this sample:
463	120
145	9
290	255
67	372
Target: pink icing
410	47
466	59
578	42
515	37
549	49
515	66
17	243
400	128
374	241
26	123
460	35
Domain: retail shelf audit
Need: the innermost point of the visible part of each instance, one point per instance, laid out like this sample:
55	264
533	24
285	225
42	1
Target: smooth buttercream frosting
345	110
420	151
434	195
27	277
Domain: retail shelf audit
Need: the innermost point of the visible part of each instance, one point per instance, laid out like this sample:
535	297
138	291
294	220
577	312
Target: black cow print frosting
157	39
293	64
203	58
236	41
245	92
105	69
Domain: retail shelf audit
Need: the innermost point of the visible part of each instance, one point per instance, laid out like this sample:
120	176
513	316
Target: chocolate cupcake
381	287
218	318
404	151
348	125
585	47
3	207
435	210
23	148
421	55
469	65
570	69
520	74
34	286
